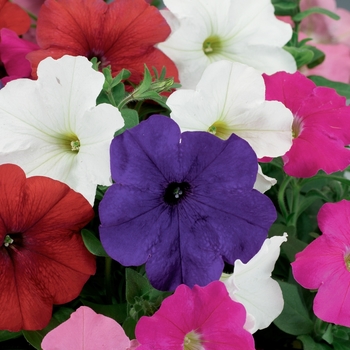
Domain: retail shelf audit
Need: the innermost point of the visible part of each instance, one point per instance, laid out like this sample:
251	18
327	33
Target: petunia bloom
87	330
201	318
251	285
121	34
182	203
325	264
321	126
52	126
241	31
13	51
43	260
230	98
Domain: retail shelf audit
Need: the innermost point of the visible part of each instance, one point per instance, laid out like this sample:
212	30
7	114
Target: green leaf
301	15
92	243
318	58
129	327
6	335
283	8
294	318
302	55
292	247
341	88
136	285
310	344
131	119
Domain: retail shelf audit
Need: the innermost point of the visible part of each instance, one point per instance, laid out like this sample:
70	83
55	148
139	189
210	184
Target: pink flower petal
87	330
324	264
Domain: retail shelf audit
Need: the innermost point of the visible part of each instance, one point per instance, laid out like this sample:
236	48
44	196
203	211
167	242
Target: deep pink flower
321	126
325	264
85	329
203	318
13	51
121	34
43	260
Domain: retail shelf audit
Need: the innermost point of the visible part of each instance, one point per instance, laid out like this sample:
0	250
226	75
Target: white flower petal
247	32
40	119
251	285
230	98
263	182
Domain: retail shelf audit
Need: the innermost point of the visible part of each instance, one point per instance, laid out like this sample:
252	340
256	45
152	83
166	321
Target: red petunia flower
13	17
43	260
121	34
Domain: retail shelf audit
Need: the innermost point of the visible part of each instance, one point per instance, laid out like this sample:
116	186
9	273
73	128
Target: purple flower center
175	192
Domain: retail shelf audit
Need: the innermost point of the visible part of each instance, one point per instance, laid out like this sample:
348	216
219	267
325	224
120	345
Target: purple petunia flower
182	203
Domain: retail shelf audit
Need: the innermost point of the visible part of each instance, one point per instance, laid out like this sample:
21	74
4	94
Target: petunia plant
172	176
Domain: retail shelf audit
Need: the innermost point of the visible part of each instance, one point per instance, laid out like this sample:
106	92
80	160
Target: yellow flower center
8	240
297	127
220	129
192	341
75	145
212	45
347	261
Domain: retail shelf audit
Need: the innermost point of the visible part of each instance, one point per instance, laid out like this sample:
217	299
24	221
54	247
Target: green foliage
92	243
294	318
341	88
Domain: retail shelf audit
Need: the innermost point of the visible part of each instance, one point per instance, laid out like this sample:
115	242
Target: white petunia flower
205	31
230	99
52	126
251	285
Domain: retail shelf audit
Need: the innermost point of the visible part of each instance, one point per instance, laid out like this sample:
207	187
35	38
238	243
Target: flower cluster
173	174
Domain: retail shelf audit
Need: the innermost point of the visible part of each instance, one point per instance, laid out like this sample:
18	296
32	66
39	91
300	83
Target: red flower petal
93	28
13	17
47	262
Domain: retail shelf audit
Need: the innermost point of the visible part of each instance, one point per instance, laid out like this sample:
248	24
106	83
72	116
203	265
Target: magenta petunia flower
182	203
321	126
204	318
13	51
43	259
325	264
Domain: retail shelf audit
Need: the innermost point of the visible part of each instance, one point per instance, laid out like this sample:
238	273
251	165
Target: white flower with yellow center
52	126
230	99
206	31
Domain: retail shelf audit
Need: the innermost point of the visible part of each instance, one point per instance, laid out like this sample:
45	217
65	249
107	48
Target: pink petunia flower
13	51
321	126
325	264
202	318
87	330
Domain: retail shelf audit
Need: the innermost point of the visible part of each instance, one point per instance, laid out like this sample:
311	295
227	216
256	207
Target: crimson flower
121	34
13	17
43	260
